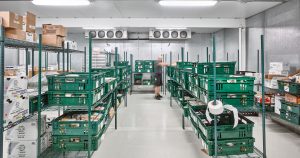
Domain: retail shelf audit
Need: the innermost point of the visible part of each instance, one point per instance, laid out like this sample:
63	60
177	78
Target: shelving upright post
115	93
1	88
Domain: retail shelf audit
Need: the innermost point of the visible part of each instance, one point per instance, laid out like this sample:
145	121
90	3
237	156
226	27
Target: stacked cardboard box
29	22
19	27
22	139
279	68
53	35
16	104
12	23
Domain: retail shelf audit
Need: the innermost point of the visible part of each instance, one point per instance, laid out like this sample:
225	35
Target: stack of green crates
70	131
231	89
290	112
72	89
240	138
144	66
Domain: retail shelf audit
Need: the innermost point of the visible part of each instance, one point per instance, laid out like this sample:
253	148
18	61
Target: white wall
151	49
226	41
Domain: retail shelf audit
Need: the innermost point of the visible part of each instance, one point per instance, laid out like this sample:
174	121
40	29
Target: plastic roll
209	119
235	114
215	109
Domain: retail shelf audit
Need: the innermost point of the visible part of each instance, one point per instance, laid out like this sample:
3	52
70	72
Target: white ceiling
139	9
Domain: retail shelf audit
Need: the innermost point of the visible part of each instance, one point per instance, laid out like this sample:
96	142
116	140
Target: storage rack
89	108
257	153
12	43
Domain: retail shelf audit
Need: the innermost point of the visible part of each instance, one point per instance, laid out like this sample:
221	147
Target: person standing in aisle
158	77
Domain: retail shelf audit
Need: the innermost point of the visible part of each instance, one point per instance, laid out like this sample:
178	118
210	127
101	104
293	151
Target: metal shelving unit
12	43
257	153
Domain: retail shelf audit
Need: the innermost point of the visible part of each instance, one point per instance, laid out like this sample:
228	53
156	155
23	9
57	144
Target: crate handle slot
74	125
70	80
230	144
76	140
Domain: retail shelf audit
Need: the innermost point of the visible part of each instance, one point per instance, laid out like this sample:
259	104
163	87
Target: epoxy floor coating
150	128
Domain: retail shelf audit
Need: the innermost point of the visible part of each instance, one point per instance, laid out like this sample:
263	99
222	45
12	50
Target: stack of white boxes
279	68
72	45
16	99
22	139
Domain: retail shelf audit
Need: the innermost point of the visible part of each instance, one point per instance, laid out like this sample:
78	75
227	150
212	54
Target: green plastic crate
235	99
222	68
75	143
109	85
107	72
288	86
290	116
291	107
76	127
225	128
147	82
74	81
122	63
227	83
229	146
186	65
73	98
33	102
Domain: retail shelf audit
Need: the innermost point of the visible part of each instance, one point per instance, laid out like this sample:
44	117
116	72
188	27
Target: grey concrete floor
149	128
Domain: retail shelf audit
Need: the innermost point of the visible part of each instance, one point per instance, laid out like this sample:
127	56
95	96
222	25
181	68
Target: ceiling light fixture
98	28
61	2
170	28
182	3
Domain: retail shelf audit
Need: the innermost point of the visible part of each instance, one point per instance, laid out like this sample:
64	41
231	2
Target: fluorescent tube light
62	2
98	28
171	28
182	3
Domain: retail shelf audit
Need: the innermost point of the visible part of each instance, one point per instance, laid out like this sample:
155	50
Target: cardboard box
292	98
17	34
15	85
11	20
29	22
52	40
10	72
72	45
31	37
58	30
28	149
279	66
27	130
15	109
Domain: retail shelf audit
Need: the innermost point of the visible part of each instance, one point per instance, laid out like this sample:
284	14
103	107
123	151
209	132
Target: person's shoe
160	96
157	97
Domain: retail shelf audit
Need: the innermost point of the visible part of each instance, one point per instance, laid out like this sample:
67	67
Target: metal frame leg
183	122
125	99
116	110
1	87
170	99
